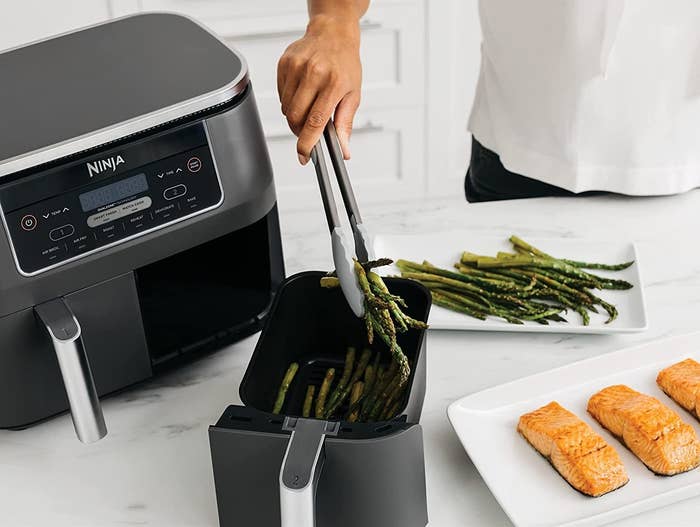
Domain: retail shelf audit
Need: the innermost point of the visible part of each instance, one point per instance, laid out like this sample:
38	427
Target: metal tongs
343	252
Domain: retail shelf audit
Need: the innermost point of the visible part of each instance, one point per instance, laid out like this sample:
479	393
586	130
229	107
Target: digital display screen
102	196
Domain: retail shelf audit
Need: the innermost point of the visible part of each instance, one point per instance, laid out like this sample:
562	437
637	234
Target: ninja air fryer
138	208
283	470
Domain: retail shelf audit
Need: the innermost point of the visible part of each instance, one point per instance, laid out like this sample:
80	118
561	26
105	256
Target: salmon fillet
652	431
681	382
582	457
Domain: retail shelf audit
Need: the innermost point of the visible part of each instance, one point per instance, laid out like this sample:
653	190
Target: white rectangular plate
530	491
444	249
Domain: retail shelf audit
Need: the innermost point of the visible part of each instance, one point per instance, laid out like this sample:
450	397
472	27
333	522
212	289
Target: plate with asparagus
515	283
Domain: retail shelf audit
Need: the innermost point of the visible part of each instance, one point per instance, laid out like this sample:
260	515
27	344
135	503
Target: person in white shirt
574	96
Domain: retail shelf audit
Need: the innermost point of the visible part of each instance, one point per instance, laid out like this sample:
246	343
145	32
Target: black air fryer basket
314	327
369	474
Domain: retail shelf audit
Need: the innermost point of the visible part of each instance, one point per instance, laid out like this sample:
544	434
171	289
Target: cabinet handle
368	127
366	23
291	33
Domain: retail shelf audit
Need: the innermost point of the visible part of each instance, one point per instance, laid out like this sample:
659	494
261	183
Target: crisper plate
530	491
443	249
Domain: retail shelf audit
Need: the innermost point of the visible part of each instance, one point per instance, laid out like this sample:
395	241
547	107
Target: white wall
23	21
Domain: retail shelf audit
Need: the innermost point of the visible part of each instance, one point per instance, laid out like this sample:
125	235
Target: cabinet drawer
387	159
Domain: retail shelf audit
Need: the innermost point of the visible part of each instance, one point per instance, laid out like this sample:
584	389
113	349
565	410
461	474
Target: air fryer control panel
67	212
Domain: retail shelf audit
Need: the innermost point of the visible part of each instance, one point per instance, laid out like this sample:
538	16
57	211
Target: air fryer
138	212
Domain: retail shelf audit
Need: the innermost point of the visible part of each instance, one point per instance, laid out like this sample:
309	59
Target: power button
28	222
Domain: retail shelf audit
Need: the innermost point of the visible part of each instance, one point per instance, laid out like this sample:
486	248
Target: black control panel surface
70	211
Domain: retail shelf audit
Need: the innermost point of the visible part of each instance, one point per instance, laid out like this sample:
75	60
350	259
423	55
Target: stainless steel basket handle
301	470
65	333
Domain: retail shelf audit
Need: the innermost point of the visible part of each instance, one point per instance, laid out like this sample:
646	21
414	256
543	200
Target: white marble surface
154	468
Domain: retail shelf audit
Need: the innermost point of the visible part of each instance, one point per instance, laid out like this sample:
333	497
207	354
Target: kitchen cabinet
388	145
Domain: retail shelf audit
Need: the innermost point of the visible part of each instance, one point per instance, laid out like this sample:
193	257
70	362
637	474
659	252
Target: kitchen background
420	58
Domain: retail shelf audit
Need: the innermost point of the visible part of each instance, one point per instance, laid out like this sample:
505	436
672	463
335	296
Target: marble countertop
154	467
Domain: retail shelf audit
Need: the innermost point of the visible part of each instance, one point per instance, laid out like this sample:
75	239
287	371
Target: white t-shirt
592	94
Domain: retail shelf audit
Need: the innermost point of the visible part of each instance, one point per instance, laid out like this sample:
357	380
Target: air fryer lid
117	78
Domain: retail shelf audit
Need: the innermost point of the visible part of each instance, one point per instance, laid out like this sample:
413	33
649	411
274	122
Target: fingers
297	110
288	78
344	116
315	122
313	83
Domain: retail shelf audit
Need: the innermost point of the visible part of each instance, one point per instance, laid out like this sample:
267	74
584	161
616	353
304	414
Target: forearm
339	9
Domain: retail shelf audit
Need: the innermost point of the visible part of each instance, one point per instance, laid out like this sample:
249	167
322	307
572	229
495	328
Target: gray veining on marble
153	469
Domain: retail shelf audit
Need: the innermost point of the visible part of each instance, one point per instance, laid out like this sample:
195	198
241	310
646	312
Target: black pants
488	180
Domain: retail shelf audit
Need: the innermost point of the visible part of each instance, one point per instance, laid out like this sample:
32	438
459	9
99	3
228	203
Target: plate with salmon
597	441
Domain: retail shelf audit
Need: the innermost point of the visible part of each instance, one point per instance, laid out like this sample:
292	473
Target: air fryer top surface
112	77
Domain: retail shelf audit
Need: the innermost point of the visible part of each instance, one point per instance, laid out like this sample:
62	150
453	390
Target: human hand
320	76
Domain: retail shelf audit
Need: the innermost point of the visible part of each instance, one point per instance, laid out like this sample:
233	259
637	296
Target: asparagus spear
345	378
384	377
396	352
284	387
355	396
329	282
323	393
521	244
393	411
486	283
383	314
356	376
370	376
375	413
308	400
394	395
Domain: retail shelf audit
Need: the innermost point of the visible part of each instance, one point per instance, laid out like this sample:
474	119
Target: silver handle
343	250
324	185
66	336
301	470
362	250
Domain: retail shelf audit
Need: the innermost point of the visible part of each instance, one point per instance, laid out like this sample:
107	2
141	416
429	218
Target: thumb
344	115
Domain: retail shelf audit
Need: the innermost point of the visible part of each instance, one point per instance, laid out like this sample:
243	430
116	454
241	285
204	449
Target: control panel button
108	233
28	222
138	222
166	213
175	192
54	253
194	164
80	244
109	215
61	232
